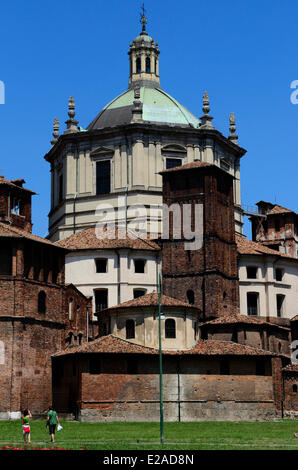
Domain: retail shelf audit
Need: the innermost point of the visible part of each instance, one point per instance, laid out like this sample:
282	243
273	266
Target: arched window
130	329
190	297
138	65
42	302
295	388
138	293
148	68
170	328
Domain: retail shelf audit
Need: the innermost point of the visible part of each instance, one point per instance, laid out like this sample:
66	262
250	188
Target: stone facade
118	276
137	135
137	321
273	280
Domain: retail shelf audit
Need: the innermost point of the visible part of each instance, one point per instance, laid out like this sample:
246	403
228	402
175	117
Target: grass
277	435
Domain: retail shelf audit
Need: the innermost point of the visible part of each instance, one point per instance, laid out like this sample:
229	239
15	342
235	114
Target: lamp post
160	362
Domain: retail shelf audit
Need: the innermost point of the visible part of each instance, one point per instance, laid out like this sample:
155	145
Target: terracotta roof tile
9	231
87	240
291	368
279	210
187	166
272	208
111	344
15	184
151	299
233	319
248	247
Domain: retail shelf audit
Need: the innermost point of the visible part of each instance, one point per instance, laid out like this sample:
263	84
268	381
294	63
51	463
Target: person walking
52	421
26	416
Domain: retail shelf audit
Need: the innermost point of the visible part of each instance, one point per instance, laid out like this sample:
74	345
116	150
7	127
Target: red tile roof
10	231
150	300
279	210
111	344
188	166
15	184
233	318
87	240
271	208
248	247
291	368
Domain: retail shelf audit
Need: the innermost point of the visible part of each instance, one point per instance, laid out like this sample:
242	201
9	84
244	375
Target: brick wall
193	389
29	334
211	271
291	394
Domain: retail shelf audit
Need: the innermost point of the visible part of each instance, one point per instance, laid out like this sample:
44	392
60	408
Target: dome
143	37
158	106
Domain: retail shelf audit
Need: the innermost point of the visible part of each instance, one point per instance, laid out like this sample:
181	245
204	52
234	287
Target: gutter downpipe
118	277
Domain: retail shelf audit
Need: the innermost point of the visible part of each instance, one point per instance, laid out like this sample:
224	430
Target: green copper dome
157	107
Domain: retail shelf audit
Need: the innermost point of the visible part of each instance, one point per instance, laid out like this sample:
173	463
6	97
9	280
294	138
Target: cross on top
143	19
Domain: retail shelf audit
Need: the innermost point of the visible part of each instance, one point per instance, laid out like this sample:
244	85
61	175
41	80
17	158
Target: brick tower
202	273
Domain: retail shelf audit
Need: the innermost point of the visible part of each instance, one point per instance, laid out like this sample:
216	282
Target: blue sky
243	53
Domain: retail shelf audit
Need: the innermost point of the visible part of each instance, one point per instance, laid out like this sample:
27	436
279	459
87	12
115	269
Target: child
26	427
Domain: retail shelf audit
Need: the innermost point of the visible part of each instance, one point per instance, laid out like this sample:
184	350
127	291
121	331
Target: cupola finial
233	137
143	20
72	124
206	119
55	133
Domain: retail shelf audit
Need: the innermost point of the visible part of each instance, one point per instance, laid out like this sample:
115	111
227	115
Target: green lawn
135	436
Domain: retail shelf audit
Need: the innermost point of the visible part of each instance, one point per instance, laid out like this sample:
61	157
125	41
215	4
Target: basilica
145	251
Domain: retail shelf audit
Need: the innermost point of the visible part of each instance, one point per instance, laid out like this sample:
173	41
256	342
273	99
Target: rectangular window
172	162
15	207
277	225
278	274
103	177
251	272
101	265
280	299
139	265
101	299
252	303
